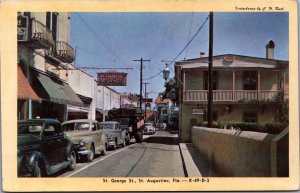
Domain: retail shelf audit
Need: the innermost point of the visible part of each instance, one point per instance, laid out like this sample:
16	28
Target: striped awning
25	90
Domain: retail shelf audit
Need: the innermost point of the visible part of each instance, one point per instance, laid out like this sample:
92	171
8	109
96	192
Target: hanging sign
112	79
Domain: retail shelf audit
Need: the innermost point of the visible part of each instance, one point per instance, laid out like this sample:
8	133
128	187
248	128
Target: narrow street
157	156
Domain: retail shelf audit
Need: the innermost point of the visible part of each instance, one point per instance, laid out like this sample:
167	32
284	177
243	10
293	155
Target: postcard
149	95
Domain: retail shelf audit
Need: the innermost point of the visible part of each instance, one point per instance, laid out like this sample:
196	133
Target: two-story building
43	54
244	89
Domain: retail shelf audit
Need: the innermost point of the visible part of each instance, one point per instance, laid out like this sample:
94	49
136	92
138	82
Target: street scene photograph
153	94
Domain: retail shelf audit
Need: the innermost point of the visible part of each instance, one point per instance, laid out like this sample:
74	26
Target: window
69	127
250	80
51	23
94	126
82	126
215	80
250	117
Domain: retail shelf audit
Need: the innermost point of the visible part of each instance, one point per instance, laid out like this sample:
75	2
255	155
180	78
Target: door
54	144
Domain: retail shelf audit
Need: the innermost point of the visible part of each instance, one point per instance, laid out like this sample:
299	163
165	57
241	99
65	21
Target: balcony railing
229	95
41	37
61	51
65	52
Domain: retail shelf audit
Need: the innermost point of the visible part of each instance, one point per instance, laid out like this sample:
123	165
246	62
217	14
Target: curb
189	166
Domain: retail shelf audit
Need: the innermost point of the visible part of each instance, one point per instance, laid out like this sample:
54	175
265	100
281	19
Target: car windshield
30	128
106	126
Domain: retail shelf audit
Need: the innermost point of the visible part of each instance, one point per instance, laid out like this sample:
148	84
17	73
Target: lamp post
166	72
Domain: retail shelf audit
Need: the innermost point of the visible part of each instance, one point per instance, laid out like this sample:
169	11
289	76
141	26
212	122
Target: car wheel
90	156
114	147
128	141
124	143
37	172
72	159
103	152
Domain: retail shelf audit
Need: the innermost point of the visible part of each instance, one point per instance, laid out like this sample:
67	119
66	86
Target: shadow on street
162	140
206	168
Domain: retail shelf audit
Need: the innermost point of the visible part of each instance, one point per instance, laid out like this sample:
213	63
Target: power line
200	28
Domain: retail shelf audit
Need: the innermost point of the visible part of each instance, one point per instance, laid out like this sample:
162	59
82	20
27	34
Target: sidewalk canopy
103	112
56	91
25	91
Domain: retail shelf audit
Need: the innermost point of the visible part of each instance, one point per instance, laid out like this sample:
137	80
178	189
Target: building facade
245	89
43	53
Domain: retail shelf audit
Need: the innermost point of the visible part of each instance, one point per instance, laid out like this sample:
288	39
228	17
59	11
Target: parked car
162	126
87	136
149	129
43	148
114	134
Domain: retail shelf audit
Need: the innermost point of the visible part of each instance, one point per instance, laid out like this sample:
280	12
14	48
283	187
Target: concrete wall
235	153
265	114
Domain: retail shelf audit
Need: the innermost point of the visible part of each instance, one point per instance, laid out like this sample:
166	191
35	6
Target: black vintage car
43	148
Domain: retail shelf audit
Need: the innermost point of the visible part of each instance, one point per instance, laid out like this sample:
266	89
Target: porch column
29	109
233	85
184	93
258	84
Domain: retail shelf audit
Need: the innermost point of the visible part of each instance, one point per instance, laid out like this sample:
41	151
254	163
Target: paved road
157	156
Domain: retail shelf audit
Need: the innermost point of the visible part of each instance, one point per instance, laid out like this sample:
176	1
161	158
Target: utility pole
210	74
145	83
141	78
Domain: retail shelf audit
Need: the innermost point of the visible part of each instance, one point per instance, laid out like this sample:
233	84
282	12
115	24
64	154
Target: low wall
235	153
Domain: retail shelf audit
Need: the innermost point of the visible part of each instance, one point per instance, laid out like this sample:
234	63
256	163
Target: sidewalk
195	165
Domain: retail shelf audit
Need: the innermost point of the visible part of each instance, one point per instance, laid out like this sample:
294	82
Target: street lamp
166	72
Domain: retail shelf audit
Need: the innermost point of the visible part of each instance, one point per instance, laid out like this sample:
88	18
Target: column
233	85
258	85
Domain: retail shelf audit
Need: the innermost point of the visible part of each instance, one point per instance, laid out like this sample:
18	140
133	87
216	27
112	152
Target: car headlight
82	143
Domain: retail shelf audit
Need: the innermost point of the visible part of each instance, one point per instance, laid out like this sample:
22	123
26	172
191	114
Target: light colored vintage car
114	134
87	136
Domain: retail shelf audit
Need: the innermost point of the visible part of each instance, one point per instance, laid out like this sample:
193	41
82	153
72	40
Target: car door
96	135
53	143
102	135
120	133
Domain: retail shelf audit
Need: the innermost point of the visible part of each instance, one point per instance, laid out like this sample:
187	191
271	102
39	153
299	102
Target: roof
232	61
109	122
38	120
80	120
25	90
158	101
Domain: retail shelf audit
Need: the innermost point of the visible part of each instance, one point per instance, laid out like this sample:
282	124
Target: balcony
62	51
41	37
230	95
65	52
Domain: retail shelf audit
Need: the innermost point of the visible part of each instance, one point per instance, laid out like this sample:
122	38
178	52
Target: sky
114	40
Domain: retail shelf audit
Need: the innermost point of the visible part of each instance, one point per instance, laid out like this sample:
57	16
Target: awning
25	91
84	99
78	109
103	112
57	91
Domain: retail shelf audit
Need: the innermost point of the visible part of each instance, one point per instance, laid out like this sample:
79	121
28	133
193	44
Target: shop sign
112	79
197	111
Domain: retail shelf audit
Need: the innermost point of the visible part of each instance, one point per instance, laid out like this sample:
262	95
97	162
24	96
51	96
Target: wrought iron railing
230	95
41	37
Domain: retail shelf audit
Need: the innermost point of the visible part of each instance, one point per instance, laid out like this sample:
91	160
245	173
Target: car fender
70	147
29	160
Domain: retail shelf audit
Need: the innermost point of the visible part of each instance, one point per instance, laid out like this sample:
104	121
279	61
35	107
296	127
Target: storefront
56	95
